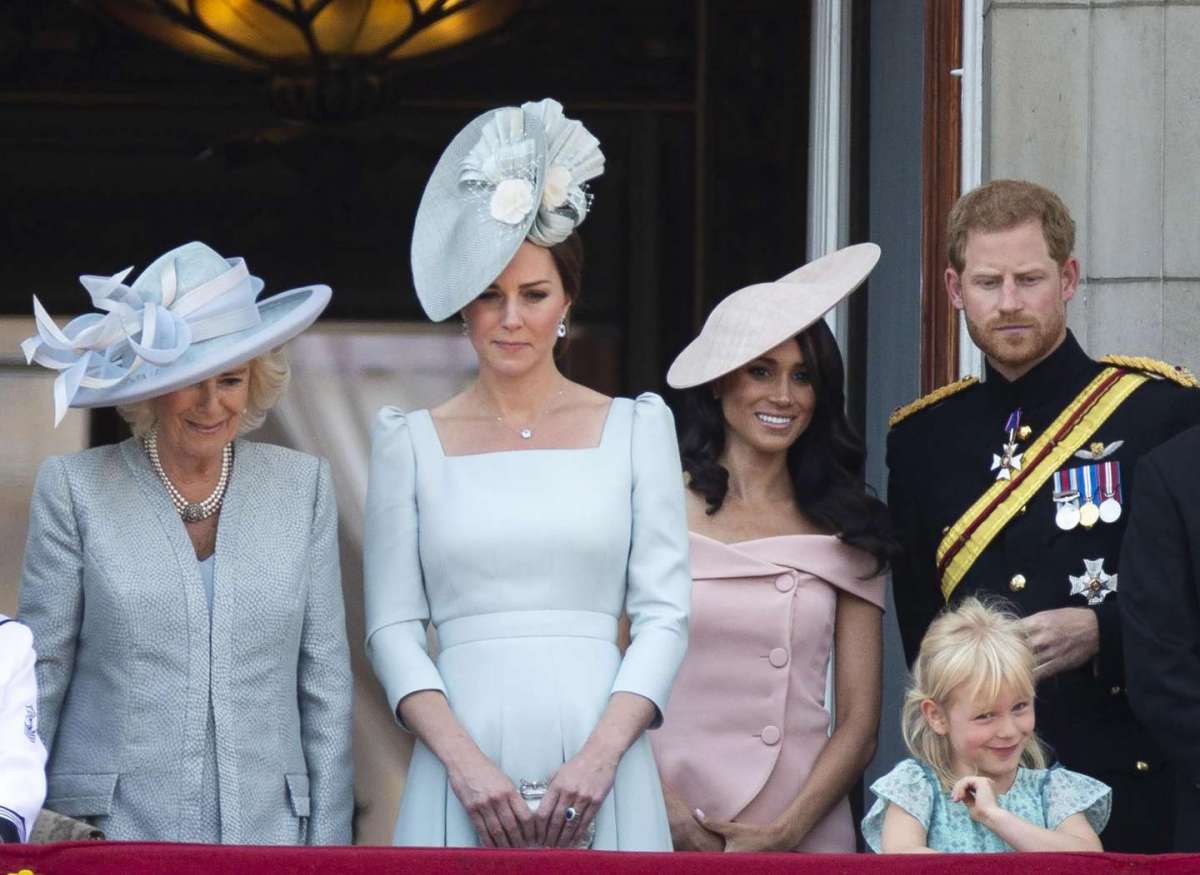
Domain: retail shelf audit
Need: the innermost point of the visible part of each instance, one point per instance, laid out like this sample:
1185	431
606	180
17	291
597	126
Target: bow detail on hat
140	327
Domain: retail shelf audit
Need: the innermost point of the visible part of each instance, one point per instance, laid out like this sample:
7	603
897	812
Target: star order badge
1095	584
1006	463
1008	460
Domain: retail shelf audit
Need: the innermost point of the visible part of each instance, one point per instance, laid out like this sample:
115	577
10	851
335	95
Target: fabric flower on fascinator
511	201
573	157
503	166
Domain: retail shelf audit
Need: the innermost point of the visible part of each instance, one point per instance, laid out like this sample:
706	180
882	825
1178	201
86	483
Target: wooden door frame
941	171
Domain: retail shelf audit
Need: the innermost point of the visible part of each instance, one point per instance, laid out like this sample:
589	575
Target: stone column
1100	101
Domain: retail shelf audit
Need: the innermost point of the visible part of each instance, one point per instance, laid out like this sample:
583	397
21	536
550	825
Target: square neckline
437	439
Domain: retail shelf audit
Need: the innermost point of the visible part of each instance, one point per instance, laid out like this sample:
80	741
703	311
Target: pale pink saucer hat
758	318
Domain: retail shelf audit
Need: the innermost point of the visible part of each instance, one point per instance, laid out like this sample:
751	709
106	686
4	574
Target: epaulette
1154	367
902	413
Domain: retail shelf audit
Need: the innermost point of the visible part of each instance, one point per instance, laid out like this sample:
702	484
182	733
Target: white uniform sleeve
22	756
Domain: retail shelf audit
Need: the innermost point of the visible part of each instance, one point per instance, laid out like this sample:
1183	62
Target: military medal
1066	517
1089	513
1066	497
1110	492
1094	584
1008	459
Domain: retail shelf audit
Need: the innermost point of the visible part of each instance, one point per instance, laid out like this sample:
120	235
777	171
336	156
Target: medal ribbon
1089	483
1112	481
970	535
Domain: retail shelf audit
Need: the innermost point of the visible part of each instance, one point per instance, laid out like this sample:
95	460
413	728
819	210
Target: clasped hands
693	831
503	819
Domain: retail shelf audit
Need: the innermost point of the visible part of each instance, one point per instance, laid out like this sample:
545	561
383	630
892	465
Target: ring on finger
570	814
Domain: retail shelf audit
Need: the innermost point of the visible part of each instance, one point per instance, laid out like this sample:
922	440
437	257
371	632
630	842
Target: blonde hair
268	378
977	648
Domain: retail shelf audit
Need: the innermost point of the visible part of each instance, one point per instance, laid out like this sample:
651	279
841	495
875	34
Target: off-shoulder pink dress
747	716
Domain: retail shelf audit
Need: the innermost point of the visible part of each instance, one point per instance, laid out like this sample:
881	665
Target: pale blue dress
523	561
1045	797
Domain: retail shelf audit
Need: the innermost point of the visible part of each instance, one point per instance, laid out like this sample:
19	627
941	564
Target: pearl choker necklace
191	511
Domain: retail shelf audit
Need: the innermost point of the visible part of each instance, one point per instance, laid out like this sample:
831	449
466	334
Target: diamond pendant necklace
526	433
191	511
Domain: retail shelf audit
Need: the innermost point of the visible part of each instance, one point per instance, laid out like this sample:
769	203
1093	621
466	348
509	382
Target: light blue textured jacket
127	657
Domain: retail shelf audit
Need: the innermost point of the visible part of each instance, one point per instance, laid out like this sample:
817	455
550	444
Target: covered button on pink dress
747	714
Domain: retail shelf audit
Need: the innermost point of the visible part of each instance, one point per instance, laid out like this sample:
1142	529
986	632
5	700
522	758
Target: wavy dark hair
826	463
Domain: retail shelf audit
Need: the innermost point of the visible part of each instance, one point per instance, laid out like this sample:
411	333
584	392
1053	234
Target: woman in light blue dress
521	518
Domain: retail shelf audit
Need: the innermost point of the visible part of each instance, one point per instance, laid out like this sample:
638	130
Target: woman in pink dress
788	550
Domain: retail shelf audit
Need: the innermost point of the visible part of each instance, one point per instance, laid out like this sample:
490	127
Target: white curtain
341	376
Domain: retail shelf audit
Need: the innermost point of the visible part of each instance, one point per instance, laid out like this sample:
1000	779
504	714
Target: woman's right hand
501	818
687	833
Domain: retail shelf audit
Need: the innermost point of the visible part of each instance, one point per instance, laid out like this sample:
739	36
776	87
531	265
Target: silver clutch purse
533	791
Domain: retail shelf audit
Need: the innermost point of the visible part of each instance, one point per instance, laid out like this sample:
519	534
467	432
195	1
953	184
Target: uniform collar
1062	372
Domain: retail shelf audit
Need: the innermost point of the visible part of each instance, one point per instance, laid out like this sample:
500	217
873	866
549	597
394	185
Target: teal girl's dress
1045	797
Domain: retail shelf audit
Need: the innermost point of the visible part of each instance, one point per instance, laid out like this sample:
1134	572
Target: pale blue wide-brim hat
511	174
190	315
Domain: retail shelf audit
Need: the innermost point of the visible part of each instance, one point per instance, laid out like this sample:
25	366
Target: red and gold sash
971	533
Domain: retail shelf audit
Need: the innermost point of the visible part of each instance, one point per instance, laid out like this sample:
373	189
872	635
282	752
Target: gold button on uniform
1017	583
1142	766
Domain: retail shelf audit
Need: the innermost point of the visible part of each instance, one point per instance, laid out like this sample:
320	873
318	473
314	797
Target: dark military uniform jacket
1160	616
939	461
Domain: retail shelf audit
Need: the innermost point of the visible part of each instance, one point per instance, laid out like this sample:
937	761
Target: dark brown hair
568	261
826	463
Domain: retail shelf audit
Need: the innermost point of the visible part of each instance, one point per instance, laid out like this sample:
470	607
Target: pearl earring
466	328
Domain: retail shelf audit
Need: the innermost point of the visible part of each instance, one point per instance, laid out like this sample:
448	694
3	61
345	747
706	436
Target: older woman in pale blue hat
183	586
520	518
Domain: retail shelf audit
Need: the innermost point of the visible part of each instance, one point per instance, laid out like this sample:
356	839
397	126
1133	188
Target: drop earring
466	327
562	326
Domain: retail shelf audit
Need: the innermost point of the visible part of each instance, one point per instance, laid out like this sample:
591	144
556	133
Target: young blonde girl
978	781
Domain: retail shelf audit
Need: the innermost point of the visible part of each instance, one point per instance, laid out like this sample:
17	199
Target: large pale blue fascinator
511	174
190	315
